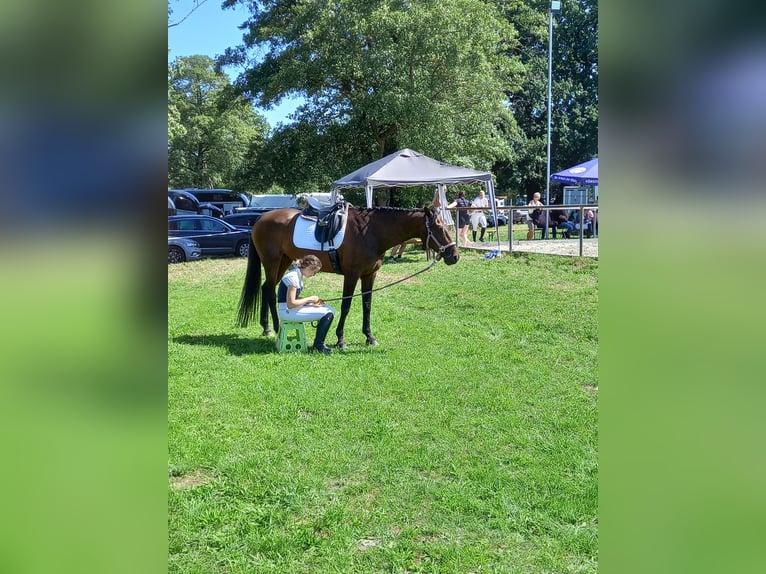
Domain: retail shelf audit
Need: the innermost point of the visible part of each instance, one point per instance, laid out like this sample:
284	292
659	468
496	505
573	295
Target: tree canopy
574	124
464	81
212	131
430	74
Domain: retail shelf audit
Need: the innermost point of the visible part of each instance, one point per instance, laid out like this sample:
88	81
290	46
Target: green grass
465	442
519	233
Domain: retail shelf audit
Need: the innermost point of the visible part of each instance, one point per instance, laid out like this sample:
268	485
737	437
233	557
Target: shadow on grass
234	344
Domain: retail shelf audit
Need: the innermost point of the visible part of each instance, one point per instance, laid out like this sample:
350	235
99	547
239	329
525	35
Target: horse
370	232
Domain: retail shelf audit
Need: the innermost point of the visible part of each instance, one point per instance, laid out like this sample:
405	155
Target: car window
187	225
212	225
185	204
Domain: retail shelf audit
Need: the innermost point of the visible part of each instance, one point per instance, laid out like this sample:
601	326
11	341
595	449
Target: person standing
397	248
463	218
292	307
478	217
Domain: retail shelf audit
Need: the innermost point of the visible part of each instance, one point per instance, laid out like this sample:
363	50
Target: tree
383	74
575	64
213	132
574	123
175	127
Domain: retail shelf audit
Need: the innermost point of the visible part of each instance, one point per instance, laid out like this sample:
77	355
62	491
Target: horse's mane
386	209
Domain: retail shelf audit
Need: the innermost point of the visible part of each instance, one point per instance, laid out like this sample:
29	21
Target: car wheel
242	249
176	254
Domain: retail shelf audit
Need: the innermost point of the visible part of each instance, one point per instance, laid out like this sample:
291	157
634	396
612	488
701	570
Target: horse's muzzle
452	256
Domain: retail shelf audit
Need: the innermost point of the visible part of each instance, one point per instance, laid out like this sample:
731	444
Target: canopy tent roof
582	174
408	167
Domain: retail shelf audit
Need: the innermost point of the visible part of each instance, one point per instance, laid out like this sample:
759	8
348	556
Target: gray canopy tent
407	167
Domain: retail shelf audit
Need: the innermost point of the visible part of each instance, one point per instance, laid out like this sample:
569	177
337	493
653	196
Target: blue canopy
581	174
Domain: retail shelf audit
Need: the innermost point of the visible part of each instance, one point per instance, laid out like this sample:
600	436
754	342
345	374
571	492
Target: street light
555	7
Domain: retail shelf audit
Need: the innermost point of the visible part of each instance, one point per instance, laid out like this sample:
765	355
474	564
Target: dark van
183	201
225	199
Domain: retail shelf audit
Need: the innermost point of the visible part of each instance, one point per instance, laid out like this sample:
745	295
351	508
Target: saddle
329	220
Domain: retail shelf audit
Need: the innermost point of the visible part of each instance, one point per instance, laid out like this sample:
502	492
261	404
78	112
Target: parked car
215	237
502	219
269	201
211	210
183	201
520	215
243	219
181	249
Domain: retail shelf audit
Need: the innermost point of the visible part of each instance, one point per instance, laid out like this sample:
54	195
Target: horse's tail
248	301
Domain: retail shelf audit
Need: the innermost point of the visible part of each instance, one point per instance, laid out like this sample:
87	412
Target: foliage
465	442
301	159
382	75
463	81
213	133
575	60
574	123
176	129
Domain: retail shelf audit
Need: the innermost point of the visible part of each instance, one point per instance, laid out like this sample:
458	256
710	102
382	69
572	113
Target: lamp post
555	7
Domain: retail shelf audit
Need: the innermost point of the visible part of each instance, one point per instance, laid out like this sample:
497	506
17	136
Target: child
293	307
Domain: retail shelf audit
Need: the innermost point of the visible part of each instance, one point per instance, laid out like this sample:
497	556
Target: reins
434	262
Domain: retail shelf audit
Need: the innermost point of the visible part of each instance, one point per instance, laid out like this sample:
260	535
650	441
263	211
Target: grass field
465	442
519	233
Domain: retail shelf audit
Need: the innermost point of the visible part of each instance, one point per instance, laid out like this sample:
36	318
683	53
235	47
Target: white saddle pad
303	235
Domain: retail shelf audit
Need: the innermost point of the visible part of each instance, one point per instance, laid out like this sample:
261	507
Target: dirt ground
569	247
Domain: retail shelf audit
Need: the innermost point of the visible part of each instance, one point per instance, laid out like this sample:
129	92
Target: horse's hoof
268	333
342	345
372	341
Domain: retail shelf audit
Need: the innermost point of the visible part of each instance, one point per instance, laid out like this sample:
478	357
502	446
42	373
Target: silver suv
181	249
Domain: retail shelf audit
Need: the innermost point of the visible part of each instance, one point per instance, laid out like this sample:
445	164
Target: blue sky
209	30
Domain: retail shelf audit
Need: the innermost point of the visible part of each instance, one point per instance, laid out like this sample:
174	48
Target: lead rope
435	261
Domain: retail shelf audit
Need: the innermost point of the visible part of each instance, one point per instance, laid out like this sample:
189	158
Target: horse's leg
273	307
267	293
284	263
367	282
349	284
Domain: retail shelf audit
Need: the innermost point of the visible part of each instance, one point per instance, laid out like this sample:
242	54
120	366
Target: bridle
431	236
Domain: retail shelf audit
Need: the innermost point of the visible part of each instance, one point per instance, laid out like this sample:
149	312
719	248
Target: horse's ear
431	211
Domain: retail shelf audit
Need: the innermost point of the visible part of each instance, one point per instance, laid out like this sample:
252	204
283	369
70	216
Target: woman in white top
292	307
531	215
478	218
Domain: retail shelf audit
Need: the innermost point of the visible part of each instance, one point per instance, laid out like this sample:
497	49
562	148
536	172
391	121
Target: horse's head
437	237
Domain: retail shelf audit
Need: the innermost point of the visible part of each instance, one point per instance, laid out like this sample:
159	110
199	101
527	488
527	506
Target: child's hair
308	262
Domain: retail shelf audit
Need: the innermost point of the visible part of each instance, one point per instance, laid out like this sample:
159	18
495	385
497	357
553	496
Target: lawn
519	233
465	442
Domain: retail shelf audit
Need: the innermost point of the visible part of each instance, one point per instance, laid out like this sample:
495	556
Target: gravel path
569	247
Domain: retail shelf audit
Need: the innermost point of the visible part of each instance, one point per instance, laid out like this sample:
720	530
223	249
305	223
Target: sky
209	30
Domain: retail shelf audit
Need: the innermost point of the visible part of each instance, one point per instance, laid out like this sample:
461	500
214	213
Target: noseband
442	248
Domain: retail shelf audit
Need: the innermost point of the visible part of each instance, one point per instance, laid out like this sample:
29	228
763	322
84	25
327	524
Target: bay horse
370	232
